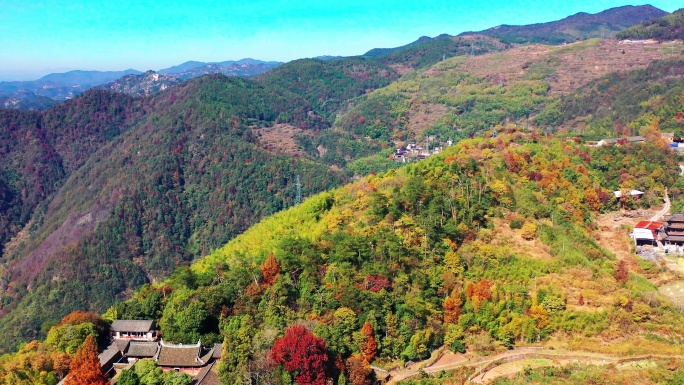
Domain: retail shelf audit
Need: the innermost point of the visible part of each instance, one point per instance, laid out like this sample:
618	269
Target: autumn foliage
302	354
85	366
270	270
358	370
370	346
621	273
451	313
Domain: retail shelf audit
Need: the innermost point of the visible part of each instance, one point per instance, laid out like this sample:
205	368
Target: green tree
128	377
148	372
172	377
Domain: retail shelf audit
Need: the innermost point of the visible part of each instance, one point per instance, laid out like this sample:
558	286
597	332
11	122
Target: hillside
63	86
621	104
144	84
580	26
489	245
182	174
666	28
427	51
244	67
465	95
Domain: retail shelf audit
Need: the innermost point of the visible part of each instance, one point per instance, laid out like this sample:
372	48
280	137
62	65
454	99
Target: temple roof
142	349
134	326
182	355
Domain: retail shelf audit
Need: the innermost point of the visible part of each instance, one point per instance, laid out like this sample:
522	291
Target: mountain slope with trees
576	27
668	27
396	265
184	179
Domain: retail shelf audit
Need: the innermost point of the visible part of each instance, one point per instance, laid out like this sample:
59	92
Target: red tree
85	367
370	346
303	354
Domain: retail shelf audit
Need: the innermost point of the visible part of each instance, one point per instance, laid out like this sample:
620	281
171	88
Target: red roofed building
647	232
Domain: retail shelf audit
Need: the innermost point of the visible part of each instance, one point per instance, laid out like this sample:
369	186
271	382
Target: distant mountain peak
579	26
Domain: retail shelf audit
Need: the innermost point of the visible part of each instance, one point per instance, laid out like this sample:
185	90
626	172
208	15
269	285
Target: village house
635	194
631	139
647	232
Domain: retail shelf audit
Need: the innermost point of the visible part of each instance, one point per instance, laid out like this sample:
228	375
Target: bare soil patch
281	139
424	117
504	235
573	65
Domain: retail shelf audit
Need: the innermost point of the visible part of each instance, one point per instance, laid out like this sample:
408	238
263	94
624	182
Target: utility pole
298	198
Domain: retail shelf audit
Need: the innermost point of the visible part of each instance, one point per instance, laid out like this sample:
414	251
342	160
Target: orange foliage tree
358	370
270	270
451	312
370	346
85	366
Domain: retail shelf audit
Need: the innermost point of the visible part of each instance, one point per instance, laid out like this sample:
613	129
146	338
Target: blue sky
39	37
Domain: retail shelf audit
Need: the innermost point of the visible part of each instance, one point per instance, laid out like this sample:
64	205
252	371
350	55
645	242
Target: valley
282	221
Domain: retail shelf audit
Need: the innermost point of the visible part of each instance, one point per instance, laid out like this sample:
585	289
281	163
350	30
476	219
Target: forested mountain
464	95
427	51
26	100
666	28
170	178
108	192
144	84
576	27
62	86
243	67
436	253
620	104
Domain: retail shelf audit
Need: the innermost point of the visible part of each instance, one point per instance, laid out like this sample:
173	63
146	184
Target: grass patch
638	365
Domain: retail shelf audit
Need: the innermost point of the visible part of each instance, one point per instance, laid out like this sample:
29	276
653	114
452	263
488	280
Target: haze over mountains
63	86
108	191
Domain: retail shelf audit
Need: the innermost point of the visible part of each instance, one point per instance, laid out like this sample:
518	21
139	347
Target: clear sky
39	37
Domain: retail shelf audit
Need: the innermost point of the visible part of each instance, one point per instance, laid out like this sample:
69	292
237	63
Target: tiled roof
121	344
108	356
180	355
676	217
142	349
132	326
674	238
207	376
218	348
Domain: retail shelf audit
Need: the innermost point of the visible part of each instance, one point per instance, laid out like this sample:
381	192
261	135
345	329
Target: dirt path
511	362
666	208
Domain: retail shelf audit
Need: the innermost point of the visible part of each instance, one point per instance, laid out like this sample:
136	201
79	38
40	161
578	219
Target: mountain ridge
581	25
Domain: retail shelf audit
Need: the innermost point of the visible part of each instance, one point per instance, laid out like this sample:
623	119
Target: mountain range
109	190
576	27
63	86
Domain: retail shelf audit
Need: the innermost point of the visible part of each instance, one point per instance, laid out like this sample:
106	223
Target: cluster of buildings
668	234
676	144
414	151
133	340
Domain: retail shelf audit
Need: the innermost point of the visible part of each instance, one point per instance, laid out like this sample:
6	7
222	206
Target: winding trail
504	363
666	208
